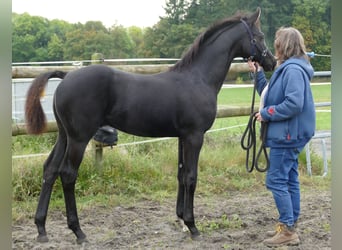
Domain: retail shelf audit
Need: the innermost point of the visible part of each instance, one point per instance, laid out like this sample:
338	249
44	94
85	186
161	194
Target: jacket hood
302	62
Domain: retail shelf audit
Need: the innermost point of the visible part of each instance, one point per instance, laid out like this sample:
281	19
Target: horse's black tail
34	115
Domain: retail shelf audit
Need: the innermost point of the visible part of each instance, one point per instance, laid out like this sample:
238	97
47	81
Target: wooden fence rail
222	112
33	71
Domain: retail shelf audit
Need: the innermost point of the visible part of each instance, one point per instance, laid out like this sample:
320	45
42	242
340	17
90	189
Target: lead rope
248	139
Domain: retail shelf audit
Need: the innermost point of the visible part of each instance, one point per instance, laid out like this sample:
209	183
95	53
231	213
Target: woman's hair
289	42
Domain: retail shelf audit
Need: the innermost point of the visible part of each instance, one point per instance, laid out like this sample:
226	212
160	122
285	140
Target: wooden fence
33	71
222	112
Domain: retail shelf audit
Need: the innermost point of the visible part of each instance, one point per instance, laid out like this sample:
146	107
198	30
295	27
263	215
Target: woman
288	109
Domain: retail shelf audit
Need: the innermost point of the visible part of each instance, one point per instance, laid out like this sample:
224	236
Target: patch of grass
321	93
236	96
26	178
323	120
243	96
28	144
148	172
208	225
326	227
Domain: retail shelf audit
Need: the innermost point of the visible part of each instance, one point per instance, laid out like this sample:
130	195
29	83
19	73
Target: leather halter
253	43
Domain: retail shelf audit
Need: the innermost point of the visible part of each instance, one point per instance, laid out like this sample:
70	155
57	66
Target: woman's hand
259	117
254	66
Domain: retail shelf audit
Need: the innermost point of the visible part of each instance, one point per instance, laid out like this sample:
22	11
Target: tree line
36	38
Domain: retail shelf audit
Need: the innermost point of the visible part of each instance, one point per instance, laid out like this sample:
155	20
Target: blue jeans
282	180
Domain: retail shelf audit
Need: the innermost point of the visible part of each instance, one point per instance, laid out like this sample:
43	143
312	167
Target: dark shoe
284	236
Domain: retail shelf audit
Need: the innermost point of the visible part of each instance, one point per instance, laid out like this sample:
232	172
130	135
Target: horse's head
253	45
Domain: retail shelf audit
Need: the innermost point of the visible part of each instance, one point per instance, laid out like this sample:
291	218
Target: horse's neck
215	73
214	61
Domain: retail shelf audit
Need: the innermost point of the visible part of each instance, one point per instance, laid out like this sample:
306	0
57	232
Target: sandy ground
228	221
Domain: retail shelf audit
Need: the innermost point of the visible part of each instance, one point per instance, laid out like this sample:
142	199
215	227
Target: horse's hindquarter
81	99
165	104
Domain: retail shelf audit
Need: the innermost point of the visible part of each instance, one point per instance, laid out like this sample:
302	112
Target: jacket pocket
284	132
293	129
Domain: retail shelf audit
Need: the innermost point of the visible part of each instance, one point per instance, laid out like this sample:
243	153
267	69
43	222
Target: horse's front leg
180	178
192	147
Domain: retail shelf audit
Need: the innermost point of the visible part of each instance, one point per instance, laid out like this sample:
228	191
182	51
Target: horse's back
86	75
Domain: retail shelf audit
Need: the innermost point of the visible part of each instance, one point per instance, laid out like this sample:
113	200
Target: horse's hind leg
50	174
68	173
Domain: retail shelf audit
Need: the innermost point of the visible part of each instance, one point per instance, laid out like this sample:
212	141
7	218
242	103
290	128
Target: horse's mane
202	38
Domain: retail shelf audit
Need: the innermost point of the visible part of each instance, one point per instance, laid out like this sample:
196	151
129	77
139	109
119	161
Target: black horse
181	103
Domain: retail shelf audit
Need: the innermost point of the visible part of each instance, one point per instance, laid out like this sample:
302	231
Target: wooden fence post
98	151
98	147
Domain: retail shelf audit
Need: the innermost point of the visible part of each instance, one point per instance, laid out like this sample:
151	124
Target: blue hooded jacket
289	107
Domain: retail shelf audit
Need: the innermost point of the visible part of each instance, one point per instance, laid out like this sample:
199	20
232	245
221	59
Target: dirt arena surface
228	222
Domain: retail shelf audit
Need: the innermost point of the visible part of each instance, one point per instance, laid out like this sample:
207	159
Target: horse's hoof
81	240
42	238
196	236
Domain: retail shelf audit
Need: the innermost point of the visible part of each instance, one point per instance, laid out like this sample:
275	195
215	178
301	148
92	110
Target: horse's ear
255	17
